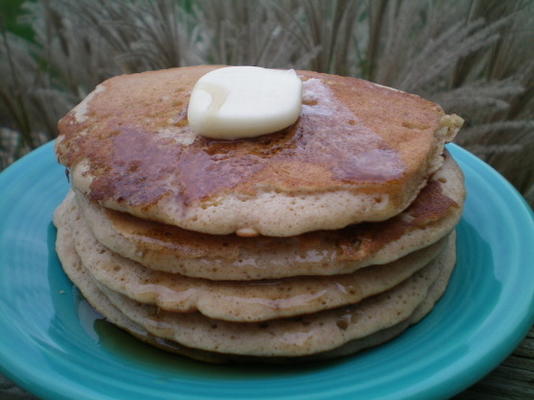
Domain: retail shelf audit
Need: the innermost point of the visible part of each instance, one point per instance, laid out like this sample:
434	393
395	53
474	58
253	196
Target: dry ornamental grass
473	57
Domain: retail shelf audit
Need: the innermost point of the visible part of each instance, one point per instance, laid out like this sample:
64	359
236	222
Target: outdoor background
475	58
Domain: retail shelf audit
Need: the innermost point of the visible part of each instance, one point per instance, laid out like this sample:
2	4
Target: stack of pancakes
330	236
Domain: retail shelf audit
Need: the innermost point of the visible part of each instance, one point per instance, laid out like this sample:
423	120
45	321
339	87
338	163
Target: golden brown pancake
359	152
229	257
234	300
77	273
307	335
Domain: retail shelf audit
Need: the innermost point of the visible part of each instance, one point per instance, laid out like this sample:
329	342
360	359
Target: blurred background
475	58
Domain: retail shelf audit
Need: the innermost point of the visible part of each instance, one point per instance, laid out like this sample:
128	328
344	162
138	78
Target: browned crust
129	162
353	243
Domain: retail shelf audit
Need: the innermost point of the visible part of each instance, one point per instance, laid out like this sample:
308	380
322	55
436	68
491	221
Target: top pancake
359	152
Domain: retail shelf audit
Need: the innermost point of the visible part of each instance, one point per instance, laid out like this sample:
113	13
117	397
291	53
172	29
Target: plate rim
27	378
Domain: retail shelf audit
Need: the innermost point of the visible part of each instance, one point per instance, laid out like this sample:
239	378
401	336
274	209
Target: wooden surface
512	380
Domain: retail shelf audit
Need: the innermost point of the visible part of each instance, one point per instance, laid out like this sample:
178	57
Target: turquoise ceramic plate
53	344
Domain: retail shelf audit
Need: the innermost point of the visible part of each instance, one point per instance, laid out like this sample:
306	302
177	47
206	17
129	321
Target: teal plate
56	346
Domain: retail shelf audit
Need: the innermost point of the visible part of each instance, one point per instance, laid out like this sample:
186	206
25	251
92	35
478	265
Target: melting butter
240	102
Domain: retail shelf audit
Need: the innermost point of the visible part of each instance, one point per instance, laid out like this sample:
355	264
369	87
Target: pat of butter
240	102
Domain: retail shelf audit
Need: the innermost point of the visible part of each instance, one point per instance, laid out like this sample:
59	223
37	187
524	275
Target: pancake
358	152
287	337
162	247
300	336
230	300
74	269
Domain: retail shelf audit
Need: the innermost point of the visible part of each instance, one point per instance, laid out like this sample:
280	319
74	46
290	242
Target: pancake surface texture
359	152
230	300
327	237
162	247
77	273
309	334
